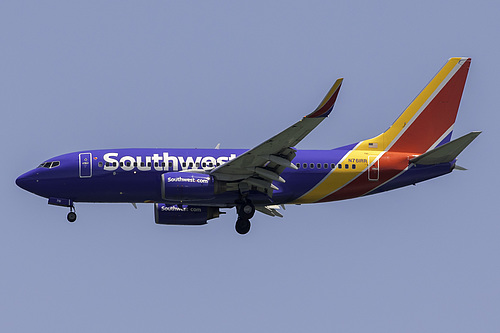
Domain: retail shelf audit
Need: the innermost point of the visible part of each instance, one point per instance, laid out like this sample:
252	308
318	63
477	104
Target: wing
263	164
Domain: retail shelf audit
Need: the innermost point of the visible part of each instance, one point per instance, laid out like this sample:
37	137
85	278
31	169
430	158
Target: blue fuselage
135	175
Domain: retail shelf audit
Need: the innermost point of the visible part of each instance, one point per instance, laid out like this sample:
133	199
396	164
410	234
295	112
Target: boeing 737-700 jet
191	186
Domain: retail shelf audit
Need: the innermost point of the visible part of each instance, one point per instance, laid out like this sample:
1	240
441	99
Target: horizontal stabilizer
447	152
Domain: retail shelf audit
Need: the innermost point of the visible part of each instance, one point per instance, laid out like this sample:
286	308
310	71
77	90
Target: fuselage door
85	165
373	169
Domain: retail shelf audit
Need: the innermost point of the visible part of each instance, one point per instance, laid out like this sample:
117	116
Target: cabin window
190	165
100	164
184	164
127	163
325	165
156	164
340	166
311	165
135	164
318	165
332	165
297	165
354	166
347	166
170	164
149	164
121	164
162	164
107	164
304	165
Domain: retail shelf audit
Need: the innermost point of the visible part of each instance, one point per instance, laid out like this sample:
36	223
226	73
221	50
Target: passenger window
297	165
156	164
121	164
127	163
332	165
311	165
149	164
170	164
354	166
304	165
325	165
347	166
135	164
190	165
100	164
143	164
184	164
107	164
162	164
318	165
340	166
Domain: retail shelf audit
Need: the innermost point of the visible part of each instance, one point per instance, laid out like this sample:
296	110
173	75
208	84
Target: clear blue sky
113	74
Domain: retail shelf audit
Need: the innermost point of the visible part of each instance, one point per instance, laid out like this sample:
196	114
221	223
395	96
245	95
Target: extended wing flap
447	152
269	210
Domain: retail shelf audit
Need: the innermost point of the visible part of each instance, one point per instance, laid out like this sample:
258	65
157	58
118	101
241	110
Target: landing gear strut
245	211
71	215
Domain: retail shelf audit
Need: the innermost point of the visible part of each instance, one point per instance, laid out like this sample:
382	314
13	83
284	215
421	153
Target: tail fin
428	121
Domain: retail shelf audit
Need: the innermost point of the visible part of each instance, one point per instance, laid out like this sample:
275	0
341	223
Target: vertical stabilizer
428	121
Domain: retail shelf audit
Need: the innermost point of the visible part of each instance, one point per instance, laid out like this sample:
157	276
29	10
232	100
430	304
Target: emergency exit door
373	169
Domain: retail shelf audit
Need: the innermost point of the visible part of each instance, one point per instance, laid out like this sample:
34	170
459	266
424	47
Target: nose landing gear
245	210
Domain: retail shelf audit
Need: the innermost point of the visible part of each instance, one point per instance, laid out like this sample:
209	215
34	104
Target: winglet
326	106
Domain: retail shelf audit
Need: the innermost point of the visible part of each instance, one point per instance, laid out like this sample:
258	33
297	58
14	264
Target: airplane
191	186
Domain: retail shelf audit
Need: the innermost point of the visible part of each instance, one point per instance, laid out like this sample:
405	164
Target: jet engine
184	214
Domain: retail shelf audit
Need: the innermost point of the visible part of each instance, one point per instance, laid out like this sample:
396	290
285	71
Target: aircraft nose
26	181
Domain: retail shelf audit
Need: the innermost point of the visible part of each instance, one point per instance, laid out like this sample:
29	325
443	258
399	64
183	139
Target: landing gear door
85	165
373	169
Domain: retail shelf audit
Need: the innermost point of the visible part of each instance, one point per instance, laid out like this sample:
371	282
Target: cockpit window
49	165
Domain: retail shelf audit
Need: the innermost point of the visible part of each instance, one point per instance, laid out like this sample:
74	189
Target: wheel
242	226
246	210
71	216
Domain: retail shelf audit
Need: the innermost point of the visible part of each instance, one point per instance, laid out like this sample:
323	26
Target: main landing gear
245	211
71	215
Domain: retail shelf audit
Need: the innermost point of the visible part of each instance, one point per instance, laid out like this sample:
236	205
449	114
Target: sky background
78	75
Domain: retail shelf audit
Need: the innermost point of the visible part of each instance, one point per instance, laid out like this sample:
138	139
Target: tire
71	217
246	211
242	226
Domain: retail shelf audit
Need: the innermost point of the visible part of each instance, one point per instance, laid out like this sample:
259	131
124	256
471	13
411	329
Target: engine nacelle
187	186
184	214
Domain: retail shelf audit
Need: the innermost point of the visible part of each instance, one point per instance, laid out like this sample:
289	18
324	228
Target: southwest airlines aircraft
190	186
